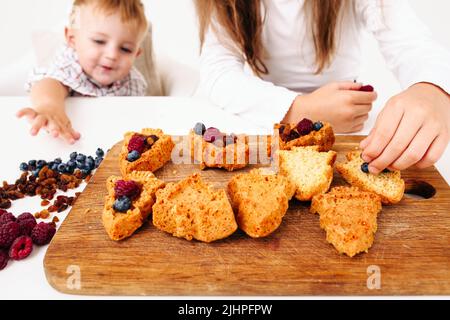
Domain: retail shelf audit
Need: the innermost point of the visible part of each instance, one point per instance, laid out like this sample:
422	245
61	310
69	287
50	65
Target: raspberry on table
7	217
21	248
8	233
42	233
26	222
3	259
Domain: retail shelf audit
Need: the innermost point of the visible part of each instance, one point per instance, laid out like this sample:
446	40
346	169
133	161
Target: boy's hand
339	103
56	124
412	129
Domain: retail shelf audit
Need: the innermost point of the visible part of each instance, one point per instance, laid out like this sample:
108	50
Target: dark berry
40	164
32	163
99	153
137	143
36	172
3	259
80	157
7	217
25	216
23	166
43	233
90	163
72	164
98	161
21	248
317	126
129	189
293	135
54	166
365	167
80	164
199	128
57	160
73	155
69	170
281	129
151	140
8	233
133	156
61	167
386	170
2	212
123	204
304	127
366	88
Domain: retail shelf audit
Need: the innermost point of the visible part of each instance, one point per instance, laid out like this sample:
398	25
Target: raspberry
21	248
8	233
212	134
7	217
366	88
137	143
42	233
304	127
2	212
26	222
3	259
129	189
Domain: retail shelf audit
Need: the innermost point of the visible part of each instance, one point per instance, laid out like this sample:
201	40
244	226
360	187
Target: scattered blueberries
133	156
78	161
122	204
365	167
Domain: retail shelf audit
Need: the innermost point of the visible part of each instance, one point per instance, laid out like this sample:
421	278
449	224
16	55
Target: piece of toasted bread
193	209
219	155
122	225
150	160
261	200
388	185
324	138
349	217
308	169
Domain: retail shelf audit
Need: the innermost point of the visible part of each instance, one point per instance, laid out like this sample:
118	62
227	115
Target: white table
102	123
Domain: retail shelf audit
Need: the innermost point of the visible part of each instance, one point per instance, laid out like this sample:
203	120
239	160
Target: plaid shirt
66	68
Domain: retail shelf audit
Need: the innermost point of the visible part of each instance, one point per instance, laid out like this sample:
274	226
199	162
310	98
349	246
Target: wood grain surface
410	255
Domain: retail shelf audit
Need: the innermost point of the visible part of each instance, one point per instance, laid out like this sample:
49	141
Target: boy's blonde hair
131	11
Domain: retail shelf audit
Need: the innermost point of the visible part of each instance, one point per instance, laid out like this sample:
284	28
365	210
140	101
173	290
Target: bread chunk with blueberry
192	209
349	217
388	185
148	150
211	148
305	133
260	199
308	169
129	203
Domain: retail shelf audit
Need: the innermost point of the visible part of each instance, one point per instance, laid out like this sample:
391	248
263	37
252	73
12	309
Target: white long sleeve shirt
404	41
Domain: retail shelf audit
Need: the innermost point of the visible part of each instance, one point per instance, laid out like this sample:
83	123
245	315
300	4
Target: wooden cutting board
410	255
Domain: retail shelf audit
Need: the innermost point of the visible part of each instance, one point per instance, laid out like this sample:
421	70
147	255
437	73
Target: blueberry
50	164
73	155
36	172
199	128
72	164
90	164
69	170
98	161
122	204
133	156
317	126
54	167
99	153
81	157
85	172
365	167
57	160
62	167
41	163
80	164
32	163
24	166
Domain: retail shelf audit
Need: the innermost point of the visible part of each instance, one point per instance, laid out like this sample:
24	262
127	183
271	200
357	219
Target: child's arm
412	129
339	103
48	110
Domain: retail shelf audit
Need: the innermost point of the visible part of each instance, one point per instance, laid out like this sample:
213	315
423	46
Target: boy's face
106	47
